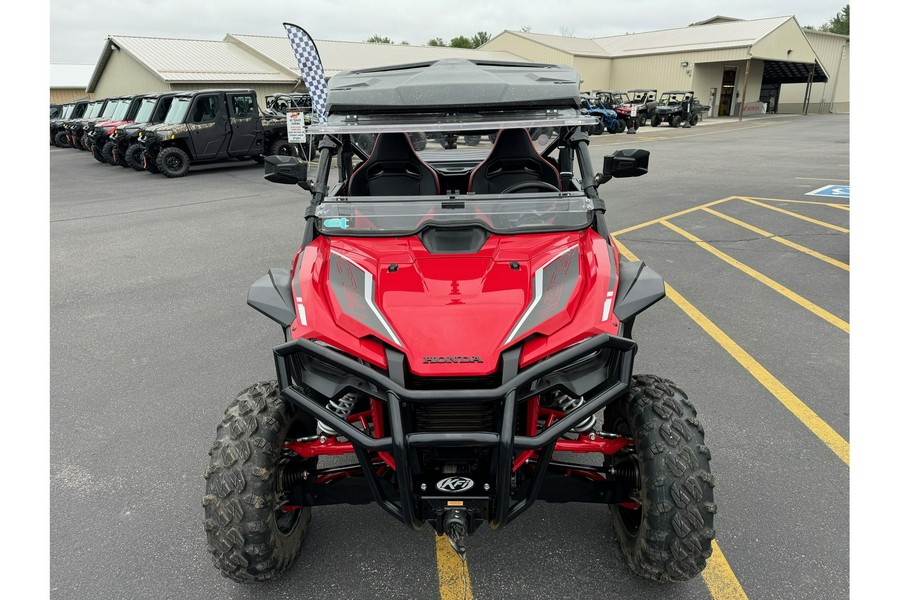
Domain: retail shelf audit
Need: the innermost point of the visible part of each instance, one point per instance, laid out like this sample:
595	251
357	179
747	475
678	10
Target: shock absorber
567	404
342	407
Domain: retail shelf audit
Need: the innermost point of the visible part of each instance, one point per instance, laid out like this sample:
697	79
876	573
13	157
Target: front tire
282	148
250	538
134	157
61	139
675	121
655	120
107	152
668	537
173	162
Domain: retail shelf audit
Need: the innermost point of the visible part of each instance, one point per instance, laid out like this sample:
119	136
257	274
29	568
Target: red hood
451	314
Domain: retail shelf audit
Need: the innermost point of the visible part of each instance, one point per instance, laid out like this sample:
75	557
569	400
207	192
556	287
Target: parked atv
445	346
98	110
126	151
210	126
678	107
644	100
277	108
58	133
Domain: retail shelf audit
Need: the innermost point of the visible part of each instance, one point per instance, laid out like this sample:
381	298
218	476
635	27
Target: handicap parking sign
831	191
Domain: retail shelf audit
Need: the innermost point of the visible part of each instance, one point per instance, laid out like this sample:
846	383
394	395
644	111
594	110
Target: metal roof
572	45
70	76
714	36
189	61
346	56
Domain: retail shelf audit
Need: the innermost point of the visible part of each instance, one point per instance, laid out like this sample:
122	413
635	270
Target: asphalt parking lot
151	338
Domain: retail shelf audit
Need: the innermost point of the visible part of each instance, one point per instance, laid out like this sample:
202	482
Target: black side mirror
626	163
285	169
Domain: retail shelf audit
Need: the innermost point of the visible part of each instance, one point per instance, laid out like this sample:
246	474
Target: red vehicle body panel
458	307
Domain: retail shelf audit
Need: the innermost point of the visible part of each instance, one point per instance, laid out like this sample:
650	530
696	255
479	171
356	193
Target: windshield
500	213
110	108
146	109
178	110
67	111
121	110
93	110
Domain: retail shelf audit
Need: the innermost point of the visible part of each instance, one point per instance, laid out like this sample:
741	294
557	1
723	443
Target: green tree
379	39
480	38
461	41
436	42
840	23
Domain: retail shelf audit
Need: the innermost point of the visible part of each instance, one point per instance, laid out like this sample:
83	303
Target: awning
778	71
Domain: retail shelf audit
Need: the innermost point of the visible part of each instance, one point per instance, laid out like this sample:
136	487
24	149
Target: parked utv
276	112
645	102
99	133
452	322
611	101
58	133
209	126
98	110
606	117
126	151
55	111
678	107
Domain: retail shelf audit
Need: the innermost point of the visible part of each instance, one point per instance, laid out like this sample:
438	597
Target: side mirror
626	163
285	169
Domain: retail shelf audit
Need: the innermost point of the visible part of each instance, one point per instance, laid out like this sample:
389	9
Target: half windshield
121	110
146	110
499	213
110	108
178	110
67	111
93	110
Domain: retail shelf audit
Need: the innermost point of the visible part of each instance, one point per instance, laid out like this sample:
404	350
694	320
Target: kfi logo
455	484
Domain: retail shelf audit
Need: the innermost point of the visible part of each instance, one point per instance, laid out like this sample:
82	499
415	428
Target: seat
393	169
512	160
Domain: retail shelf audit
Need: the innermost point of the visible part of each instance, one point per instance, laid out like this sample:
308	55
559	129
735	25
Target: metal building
68	82
726	61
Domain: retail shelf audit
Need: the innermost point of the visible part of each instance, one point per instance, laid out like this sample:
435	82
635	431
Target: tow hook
456	529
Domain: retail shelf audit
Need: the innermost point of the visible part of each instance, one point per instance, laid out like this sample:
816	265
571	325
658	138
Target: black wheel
134	157
107	152
97	153
620	125
61	139
173	162
613	126
250	537
85	143
675	121
695	118
668	536
473	140
642	119
282	148
655	120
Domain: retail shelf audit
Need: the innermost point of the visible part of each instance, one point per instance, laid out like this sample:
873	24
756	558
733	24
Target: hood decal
354	288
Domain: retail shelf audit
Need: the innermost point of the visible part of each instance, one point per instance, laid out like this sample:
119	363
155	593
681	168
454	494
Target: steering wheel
524	185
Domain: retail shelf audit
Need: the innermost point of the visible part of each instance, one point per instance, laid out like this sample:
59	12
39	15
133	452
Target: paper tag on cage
296	125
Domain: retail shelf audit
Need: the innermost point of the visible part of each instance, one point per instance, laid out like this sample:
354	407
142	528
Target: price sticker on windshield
296	124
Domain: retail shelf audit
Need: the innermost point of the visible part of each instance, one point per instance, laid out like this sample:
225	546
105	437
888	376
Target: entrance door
769	93
729	76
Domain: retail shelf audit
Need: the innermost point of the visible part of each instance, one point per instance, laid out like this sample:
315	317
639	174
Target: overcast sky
79	28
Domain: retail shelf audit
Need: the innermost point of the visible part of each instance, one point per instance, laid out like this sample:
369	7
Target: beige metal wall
528	49
124	75
775	46
834	54
63	95
594	72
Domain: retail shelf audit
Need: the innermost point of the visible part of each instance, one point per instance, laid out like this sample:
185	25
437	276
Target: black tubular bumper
598	386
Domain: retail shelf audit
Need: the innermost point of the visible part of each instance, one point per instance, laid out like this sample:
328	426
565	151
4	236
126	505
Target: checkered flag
310	67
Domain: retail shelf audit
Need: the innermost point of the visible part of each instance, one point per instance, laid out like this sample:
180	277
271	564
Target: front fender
271	295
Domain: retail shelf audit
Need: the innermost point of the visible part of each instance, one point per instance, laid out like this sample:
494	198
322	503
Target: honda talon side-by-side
457	334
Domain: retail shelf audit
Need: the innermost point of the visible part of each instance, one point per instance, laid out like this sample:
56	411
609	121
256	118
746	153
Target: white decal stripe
538	293
606	306
301	312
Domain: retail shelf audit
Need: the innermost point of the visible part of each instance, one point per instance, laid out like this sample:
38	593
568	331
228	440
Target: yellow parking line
793	296
831	204
796	216
810	419
453	573
720	579
780	240
673	215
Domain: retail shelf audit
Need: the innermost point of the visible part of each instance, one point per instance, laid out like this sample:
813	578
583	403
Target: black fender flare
640	287
272	295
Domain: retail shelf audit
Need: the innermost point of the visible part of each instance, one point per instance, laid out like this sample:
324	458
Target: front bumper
599	370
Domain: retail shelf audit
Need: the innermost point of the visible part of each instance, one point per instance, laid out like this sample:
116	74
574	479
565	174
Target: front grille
455	417
417	382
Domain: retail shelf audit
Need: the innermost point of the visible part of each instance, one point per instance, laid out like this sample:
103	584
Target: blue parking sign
831	191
